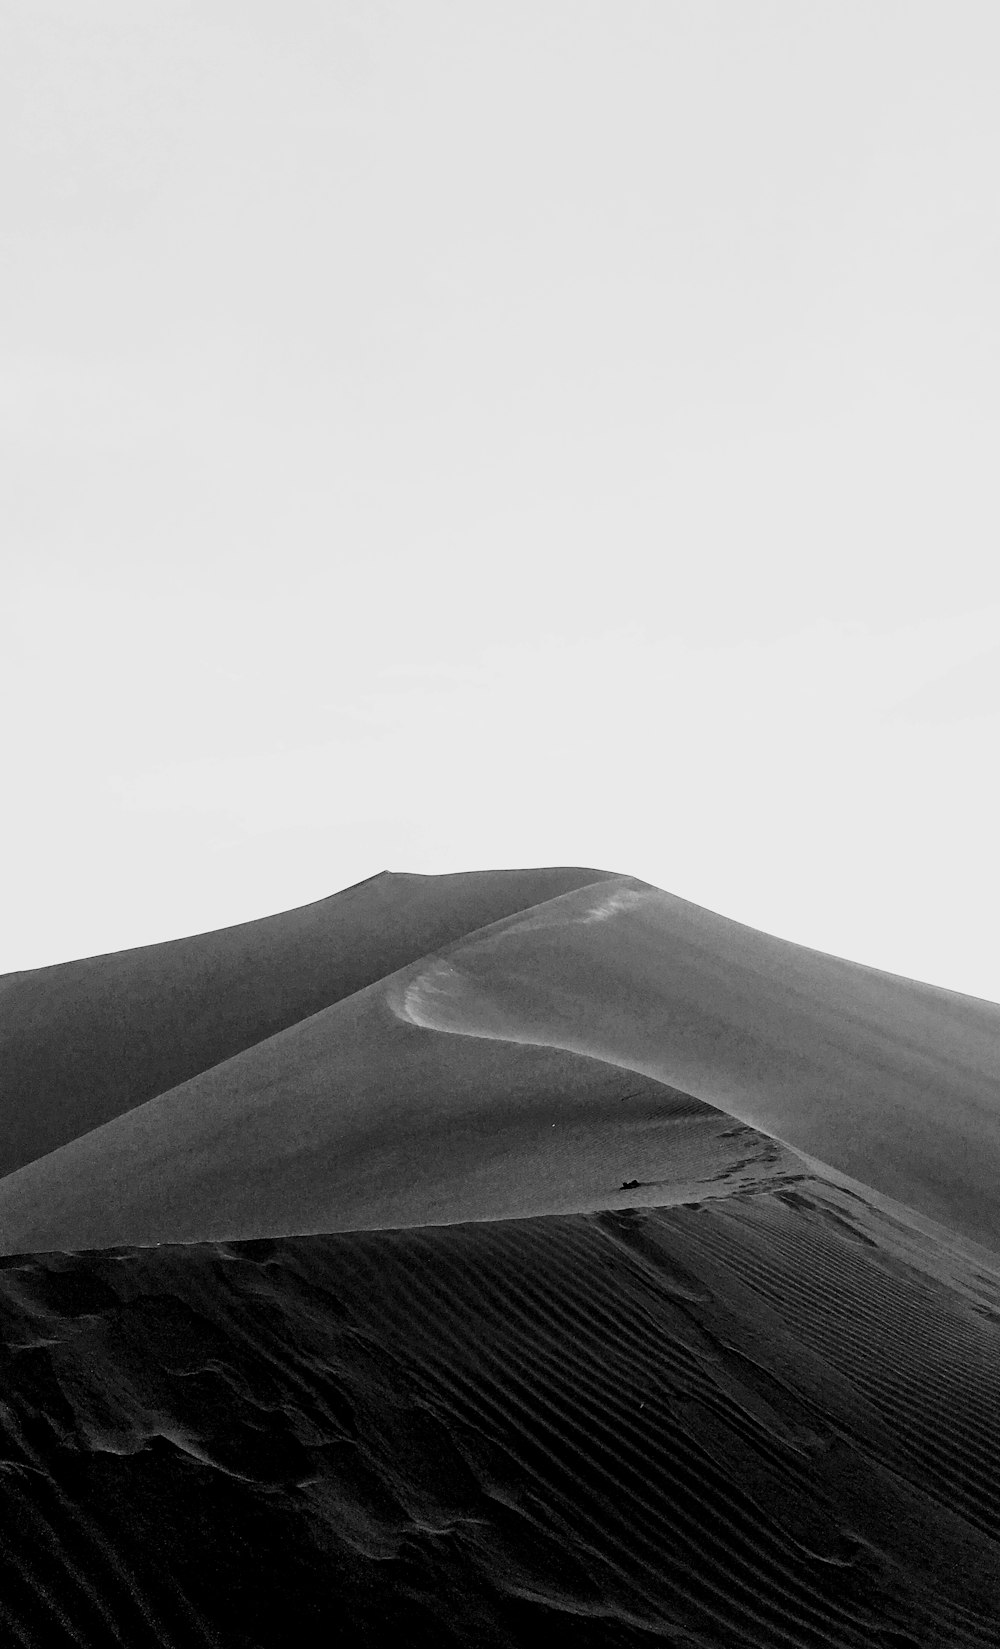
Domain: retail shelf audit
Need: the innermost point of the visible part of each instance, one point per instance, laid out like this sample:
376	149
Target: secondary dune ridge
743	1422
473	1318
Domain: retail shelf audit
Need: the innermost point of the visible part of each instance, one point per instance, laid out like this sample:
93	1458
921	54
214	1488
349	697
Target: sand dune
99	1036
355	1120
896	1083
542	1254
409	1100
747	1422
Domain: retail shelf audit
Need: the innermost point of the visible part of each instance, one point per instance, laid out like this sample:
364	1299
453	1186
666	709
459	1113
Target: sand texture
101	1035
493	1259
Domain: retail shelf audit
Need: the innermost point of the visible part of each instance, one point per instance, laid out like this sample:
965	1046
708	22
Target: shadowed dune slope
893	1082
86	1040
752	1422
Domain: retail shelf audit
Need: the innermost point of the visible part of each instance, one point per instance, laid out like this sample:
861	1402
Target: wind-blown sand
419	1362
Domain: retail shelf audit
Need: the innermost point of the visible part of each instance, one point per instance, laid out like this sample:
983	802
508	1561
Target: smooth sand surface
400	1104
84	1041
893	1082
494	1301
357	1119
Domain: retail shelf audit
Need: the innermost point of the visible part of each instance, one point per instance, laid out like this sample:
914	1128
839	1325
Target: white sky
450	433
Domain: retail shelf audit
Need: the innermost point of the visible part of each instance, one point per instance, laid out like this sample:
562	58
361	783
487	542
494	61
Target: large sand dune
99	1036
542	1254
404	1102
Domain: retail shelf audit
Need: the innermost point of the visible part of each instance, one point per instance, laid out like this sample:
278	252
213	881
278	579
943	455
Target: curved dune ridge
406	1100
100	1036
893	1082
540	1253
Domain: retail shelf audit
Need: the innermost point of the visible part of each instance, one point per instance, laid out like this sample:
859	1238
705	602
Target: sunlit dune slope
86	1040
757	1422
893	1082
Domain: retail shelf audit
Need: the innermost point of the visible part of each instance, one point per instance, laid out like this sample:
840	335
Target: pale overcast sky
450	433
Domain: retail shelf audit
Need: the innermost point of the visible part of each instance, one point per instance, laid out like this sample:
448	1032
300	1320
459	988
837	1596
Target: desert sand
462	1258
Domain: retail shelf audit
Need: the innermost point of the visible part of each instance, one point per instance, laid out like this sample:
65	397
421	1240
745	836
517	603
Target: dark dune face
84	1041
745	1422
546	1330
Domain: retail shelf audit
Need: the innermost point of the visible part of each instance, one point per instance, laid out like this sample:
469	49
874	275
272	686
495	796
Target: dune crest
596	1039
891	1081
100	1036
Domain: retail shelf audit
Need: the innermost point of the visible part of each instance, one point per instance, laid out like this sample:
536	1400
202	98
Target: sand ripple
748	1422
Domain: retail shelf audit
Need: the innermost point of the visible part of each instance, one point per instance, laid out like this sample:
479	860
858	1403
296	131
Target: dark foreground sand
748	1400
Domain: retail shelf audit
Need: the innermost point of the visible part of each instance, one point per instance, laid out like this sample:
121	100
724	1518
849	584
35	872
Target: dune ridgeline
467	1257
